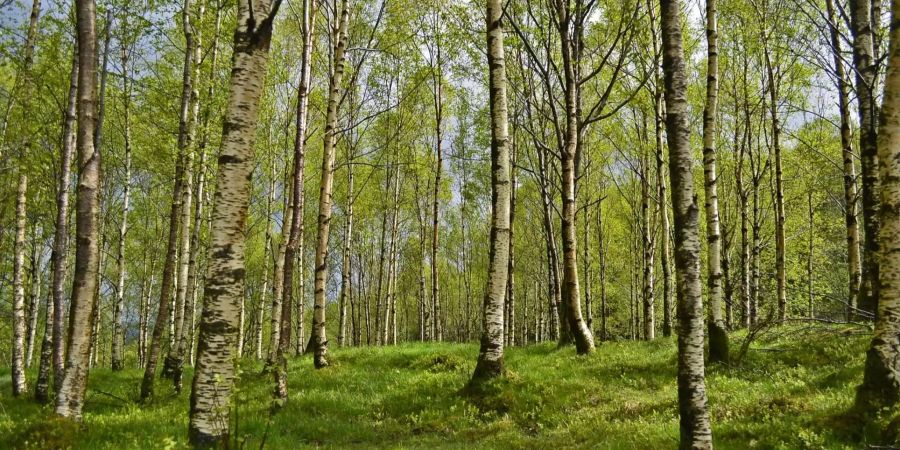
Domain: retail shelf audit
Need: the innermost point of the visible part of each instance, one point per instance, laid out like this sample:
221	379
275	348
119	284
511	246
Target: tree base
718	343
169	364
202	440
487	370
881	385
489	394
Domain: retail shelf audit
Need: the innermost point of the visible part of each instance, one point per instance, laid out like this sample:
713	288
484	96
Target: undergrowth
792	390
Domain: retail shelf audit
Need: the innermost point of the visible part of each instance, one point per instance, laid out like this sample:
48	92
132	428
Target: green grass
791	391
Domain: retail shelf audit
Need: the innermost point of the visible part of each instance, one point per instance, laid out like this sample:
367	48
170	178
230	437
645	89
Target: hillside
786	393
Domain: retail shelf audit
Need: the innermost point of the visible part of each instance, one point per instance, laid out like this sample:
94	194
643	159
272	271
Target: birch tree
718	335
53	347
19	384
24	87
215	372
866	70
851	219
294	247
490	355
695	426
881	377
48	349
70	393
176	214
118	338
326	186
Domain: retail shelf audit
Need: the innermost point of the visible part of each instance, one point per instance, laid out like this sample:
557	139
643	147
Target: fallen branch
109	394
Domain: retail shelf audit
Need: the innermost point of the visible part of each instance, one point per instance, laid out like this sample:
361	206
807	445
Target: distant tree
19	383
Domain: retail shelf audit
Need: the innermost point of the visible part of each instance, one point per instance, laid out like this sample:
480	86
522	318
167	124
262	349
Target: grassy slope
789	393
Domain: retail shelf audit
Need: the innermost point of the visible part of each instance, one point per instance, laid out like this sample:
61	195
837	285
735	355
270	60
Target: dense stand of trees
551	170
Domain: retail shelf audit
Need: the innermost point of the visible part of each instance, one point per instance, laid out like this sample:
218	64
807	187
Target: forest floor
791	390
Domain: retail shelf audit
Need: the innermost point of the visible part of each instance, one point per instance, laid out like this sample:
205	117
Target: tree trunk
301	294
361	297
854	259
390	298
780	275
320	341
19	384
588	291
353	299
663	211
425	312
381	260
118	337
187	336
144	319
696	432
293	251
242	322
490	355
70	395
510	273
757	173
185	344
601	249
809	257
866	68
46	356
96	348
279	276
395	256
741	145
881	380
633	307
539	318
437	75
59	251
346	294
201	196
215	371
175	359
557	314
727	275
571	292
345	257
263	292
96	323
176	215
35	296
104	73
648	245
467	262
718	335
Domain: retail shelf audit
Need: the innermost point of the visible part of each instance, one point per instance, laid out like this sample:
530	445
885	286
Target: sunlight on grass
787	393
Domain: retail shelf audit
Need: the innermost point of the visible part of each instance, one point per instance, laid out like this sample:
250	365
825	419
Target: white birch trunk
490	355
224	287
